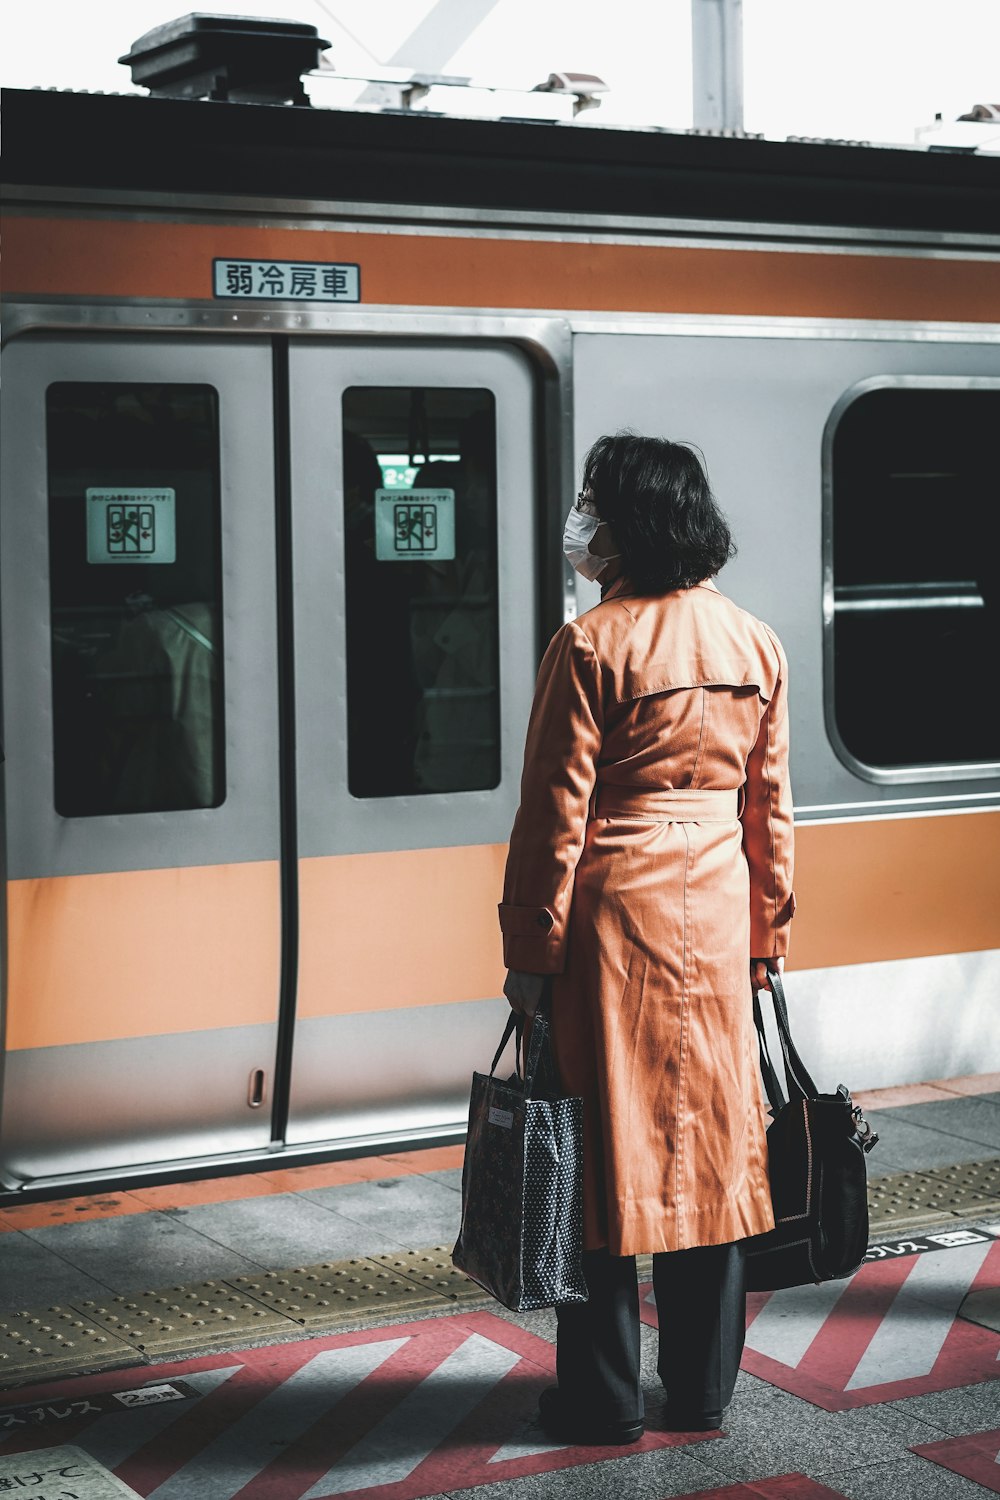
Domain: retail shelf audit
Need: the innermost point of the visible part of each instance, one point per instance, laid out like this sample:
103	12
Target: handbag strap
797	1075
515	1022
538	1067
798	1079
772	1087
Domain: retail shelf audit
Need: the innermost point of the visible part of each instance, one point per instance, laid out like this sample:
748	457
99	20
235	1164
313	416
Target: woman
649	875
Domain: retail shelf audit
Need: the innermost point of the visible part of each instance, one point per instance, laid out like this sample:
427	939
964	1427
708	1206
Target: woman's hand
523	991
759	970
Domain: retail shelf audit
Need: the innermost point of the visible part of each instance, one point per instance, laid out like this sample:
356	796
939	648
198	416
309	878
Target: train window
916	571
423	710
134	547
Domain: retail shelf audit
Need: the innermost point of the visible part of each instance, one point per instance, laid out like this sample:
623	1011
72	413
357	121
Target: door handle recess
257	1088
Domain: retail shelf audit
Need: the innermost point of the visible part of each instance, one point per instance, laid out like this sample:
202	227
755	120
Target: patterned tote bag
522	1186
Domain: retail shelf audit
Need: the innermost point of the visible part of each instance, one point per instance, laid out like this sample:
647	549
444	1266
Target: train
294	405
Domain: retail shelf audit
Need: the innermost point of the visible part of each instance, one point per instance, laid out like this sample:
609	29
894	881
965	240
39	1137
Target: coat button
544	920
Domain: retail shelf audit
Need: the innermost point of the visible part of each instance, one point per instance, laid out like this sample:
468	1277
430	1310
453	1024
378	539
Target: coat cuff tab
525	921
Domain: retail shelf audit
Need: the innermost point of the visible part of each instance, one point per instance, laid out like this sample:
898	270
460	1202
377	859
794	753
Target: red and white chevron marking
890	1330
976	1457
385	1414
781	1487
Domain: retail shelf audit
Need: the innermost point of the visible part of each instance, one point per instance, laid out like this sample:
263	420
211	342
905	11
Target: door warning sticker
414	525
131	526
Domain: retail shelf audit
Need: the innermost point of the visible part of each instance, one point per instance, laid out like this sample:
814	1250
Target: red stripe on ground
988	1274
755	1302
968	1354
974	1457
838	1348
781	1487
462	1460
373	1398
263	1371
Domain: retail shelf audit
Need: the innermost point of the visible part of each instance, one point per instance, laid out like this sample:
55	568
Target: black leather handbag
816	1149
522	1184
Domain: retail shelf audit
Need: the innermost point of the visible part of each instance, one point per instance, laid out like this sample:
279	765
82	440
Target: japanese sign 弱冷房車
287	280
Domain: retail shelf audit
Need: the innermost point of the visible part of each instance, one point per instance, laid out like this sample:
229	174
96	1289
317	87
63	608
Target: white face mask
578	533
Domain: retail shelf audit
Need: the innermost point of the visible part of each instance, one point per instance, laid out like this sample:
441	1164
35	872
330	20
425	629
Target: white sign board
58	1472
150	1395
131	526
290	280
414	525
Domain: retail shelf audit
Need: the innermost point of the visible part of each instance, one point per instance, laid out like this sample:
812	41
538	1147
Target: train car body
294	404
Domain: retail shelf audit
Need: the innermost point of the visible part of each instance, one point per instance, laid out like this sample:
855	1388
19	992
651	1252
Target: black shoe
674	1418
573	1425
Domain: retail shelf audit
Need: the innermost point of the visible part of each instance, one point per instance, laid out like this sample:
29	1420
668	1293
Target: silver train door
140	713
414	562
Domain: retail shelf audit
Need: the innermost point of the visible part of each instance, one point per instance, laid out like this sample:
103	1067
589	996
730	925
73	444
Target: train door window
420	528
134	547
916	572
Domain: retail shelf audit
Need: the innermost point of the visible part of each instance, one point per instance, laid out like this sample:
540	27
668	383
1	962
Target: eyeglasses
585	504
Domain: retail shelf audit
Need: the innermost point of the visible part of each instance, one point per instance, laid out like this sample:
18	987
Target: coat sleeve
768	836
560	770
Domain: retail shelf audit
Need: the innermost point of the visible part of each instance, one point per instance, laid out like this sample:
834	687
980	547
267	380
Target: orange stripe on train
886	888
95	957
108	258
141	952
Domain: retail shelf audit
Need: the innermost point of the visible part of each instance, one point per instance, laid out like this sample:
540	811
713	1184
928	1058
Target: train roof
143	145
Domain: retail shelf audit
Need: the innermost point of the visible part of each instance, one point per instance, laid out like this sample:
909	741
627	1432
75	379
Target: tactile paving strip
209	1313
909	1200
978	1179
55	1340
239	1310
433	1271
335	1291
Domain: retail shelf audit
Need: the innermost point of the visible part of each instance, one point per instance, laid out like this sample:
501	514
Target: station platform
300	1334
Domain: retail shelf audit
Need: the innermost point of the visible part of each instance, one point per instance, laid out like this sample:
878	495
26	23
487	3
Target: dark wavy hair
655	496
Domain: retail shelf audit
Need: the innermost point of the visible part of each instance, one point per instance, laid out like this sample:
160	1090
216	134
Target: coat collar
622	586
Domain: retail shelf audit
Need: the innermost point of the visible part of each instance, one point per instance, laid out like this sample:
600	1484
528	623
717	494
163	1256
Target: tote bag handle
539	1065
515	1022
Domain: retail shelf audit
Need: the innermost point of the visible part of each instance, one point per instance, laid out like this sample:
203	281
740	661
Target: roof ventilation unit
242	58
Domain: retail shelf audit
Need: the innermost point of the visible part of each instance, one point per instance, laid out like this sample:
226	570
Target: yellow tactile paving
239	1310
910	1200
433	1271
323	1295
175	1318
55	1341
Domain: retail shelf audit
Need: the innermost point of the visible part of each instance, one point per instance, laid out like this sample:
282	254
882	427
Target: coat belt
683	805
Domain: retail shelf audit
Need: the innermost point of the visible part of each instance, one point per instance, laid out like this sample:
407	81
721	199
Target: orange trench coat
650	856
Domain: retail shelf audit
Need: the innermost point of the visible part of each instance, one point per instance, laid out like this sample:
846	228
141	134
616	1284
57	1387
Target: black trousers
701	1302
